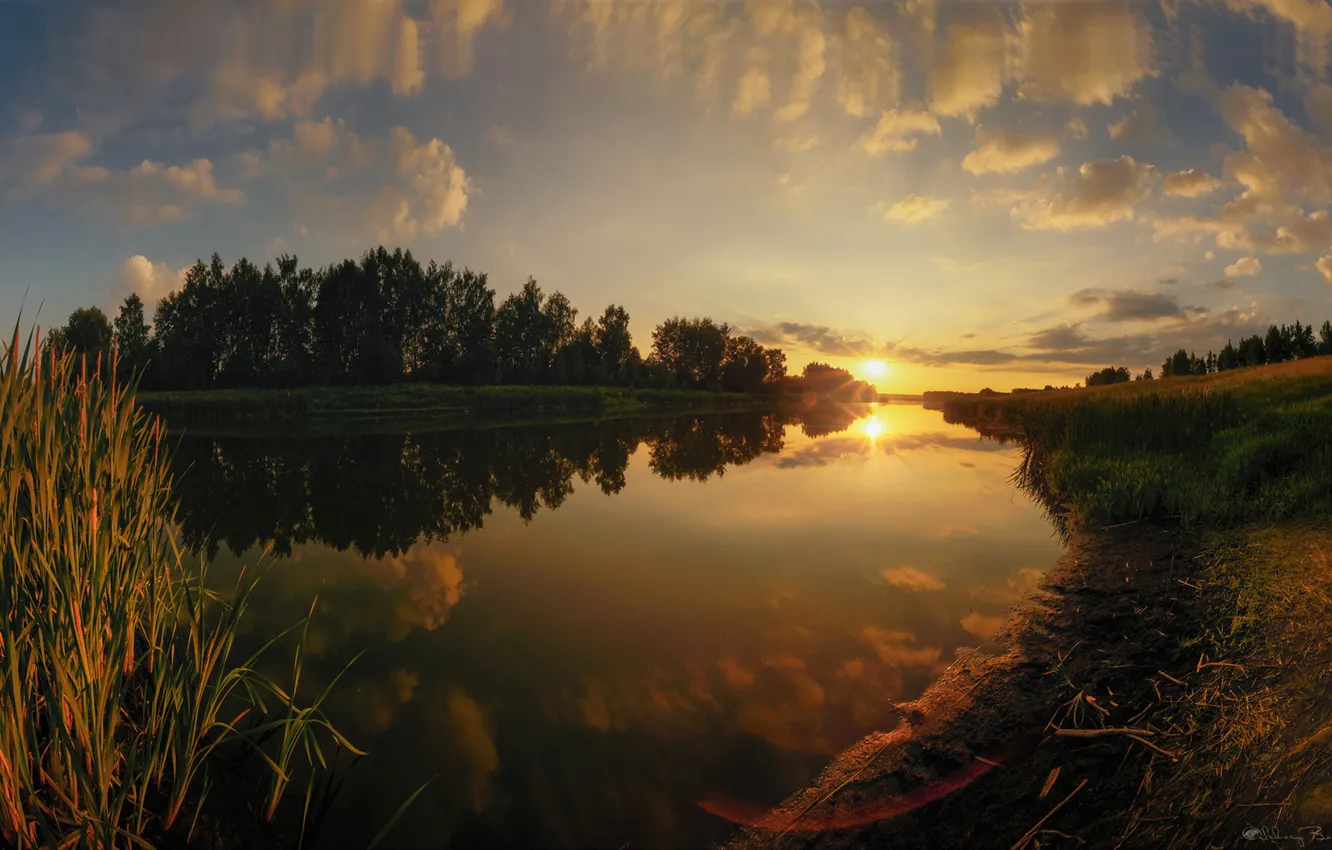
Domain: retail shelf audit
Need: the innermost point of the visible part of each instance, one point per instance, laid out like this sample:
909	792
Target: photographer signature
1303	836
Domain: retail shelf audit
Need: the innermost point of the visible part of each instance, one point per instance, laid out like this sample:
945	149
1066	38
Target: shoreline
1120	634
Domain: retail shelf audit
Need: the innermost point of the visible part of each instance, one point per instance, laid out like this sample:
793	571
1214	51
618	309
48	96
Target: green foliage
1209	452
117	687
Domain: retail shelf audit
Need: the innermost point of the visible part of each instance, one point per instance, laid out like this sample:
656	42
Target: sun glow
874	368
873	428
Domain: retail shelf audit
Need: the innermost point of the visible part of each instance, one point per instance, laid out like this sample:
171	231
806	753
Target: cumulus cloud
435	193
914	208
457	23
999	150
897	131
149	280
1192	183
1244	267
1280	160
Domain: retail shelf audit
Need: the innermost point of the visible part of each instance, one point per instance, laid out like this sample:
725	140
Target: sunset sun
874	368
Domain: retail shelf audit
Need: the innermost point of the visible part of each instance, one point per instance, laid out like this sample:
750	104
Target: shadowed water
585	629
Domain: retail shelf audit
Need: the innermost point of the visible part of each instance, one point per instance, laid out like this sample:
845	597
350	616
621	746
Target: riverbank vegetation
1210	450
119	695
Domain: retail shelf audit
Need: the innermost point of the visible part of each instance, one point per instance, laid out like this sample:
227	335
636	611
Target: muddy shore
1224	728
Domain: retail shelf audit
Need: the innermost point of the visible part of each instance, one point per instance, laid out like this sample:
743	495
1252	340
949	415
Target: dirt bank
1207	652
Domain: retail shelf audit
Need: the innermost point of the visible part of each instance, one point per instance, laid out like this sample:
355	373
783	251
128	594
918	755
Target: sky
978	194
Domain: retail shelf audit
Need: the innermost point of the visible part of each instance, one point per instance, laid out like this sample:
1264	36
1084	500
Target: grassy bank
119	695
399	400
1211	450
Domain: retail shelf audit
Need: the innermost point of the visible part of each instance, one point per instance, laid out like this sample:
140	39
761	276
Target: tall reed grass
118	690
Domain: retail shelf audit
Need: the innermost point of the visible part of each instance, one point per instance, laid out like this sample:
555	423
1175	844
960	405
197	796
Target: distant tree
1325	338
1211	363
1253	351
1304	342
1228	358
1145	376
1177	364
1108	375
88	332
615	345
131	334
776	364
1275	345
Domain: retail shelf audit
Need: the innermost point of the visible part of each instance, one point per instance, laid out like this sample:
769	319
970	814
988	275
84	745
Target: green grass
1254	444
432	399
118	690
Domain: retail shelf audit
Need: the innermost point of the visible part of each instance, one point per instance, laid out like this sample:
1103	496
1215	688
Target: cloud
866	62
1131	305
1280	160
1324	266
457	23
1001	151
910	578
39	160
1192	183
914	208
149	280
1306	234
1141	125
1244	267
968	75
896	131
435	195
1097	194
752	92
811	63
1082	53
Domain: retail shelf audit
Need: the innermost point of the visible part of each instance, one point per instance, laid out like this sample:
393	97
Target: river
582	630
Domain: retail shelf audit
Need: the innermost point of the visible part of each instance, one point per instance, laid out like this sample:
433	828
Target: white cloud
435	192
896	131
914	208
1244	267
149	280
1002	151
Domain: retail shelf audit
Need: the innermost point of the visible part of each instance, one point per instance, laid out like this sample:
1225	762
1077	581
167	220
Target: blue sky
980	194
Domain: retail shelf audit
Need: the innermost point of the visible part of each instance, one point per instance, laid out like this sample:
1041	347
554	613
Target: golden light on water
873	428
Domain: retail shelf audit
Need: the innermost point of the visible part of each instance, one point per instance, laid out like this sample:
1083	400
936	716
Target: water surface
584	629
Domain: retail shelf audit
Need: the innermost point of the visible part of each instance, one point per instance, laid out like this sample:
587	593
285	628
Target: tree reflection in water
378	494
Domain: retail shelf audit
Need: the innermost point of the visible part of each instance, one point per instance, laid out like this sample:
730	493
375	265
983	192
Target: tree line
386	318
1281	343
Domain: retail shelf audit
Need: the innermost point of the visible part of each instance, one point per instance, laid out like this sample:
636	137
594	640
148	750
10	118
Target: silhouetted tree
131	334
691	350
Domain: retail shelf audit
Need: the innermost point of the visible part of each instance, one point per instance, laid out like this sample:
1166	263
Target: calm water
585	629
